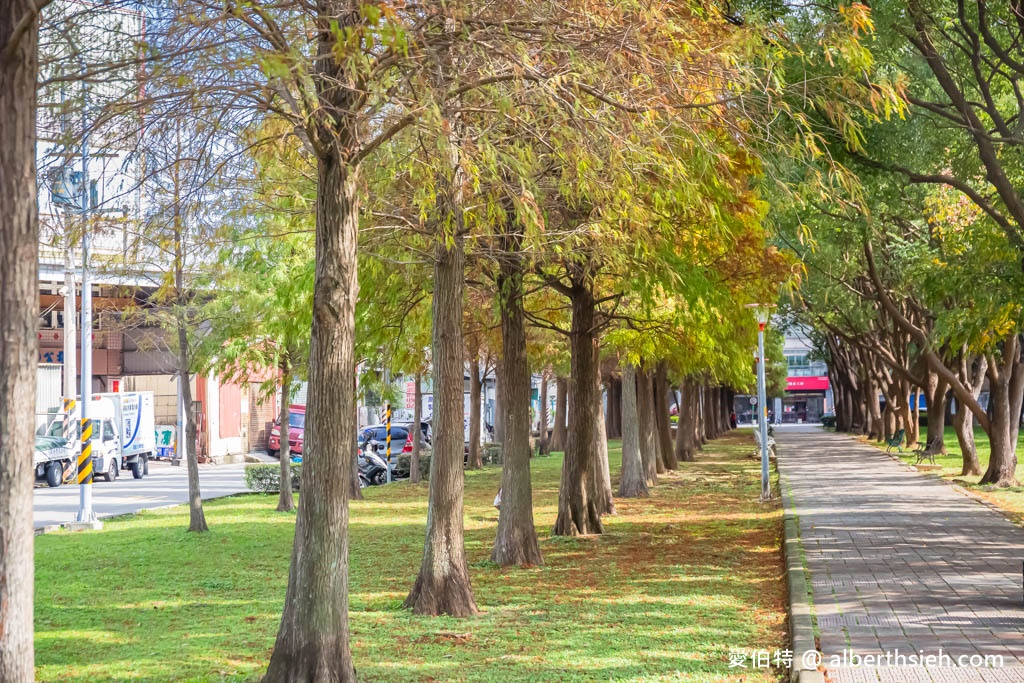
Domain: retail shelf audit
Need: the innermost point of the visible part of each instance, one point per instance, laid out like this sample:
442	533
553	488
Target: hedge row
266	478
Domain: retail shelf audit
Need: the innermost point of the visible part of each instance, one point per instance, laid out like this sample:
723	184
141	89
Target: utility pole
85	473
766	492
70	324
70	349
762	312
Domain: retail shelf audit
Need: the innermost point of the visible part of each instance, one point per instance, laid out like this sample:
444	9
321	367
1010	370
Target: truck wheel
273	454
54	474
137	468
145	465
112	470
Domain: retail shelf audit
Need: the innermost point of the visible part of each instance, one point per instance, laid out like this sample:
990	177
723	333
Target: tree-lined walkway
897	560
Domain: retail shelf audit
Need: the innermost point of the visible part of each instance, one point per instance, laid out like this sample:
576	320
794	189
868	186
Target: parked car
296	432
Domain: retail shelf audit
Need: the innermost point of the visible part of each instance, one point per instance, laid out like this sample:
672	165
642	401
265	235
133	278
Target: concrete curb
801	611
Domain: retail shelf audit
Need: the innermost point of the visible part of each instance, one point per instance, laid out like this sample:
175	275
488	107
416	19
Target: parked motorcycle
372	468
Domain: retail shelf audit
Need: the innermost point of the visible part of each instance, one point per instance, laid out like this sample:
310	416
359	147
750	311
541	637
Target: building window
800	365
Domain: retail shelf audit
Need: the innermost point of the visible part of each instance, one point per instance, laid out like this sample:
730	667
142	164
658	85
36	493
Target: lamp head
762	313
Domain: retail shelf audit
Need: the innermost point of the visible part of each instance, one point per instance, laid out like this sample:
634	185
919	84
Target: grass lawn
675	583
1010	499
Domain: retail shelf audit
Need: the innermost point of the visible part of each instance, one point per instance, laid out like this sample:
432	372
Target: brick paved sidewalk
900	561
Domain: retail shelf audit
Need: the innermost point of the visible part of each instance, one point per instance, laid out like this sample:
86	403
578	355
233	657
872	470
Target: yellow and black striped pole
387	418
85	456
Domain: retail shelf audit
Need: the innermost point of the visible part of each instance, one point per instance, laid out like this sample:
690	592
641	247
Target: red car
296	432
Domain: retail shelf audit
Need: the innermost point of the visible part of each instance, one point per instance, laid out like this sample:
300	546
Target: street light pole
766	493
762	312
85	473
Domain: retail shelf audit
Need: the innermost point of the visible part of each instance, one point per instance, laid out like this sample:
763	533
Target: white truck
52	459
124	433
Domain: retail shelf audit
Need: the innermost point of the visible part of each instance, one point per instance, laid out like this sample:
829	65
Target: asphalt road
164	485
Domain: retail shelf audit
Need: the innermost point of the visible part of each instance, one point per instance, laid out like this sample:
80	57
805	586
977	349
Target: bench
923	454
895	442
771	441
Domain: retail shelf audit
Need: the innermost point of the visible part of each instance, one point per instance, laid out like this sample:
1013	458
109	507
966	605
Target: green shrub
266	478
491	454
404	463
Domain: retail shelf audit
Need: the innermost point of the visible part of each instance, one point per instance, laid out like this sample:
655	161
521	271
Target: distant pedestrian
732	419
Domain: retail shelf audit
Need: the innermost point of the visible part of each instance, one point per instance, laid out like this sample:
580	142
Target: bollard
387	442
85	457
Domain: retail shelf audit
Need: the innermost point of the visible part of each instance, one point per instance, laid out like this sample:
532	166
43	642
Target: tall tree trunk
888	420
901	406
285	501
516	541
577	513
716	411
837	391
877	430
860	419
936	395
196	517
659	455
443	586
914	430
708	414
1006	391
632	479
601	474
721	417
844	416
963	424
648	438
700	422
543	442
417	432
1002	462
724	407
686	447
19	308
614	422
661	413
558	432
476	385
705	429
1016	401
312	641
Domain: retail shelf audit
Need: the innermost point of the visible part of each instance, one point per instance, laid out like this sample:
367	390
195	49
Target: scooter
372	467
